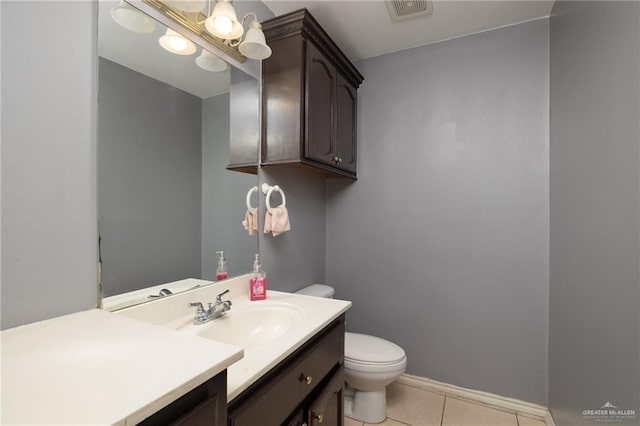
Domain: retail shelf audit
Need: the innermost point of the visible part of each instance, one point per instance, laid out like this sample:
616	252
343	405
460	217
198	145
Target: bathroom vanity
267	362
304	389
291	371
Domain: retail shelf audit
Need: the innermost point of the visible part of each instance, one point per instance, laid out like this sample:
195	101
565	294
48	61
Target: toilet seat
376	368
363	349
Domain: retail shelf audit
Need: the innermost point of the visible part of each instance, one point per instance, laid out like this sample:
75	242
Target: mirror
166	201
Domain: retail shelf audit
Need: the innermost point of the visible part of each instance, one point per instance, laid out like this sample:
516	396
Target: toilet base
366	406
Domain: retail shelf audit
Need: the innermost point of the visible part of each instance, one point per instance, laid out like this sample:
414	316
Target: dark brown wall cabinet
303	390
309	110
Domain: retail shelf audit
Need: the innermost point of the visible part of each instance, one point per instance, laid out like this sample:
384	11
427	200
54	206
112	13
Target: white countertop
99	368
172	312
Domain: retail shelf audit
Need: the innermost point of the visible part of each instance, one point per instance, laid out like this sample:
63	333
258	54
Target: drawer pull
318	417
306	379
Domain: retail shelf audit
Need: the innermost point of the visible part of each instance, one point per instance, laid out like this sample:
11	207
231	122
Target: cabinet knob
318	417
306	379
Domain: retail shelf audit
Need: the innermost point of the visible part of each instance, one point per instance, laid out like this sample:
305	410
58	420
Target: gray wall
49	226
223	195
296	258
150	180
442	244
594	354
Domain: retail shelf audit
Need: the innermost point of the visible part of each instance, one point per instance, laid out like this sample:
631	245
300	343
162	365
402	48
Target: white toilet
370	364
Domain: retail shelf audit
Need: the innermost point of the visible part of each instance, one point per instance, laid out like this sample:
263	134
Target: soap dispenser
258	281
221	272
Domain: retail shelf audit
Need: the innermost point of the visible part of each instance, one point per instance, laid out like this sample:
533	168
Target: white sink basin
250	326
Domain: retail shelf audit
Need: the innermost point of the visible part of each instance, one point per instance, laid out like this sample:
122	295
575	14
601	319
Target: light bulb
178	43
223	24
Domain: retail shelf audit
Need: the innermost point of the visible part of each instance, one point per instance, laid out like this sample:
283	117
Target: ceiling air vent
407	9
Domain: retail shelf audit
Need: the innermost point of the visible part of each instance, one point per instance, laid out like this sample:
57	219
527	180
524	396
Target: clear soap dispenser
221	272
258	282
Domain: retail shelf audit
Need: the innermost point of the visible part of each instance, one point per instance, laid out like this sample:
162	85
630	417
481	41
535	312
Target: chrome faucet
213	311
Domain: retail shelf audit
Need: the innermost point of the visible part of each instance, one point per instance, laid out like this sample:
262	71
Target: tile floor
410	406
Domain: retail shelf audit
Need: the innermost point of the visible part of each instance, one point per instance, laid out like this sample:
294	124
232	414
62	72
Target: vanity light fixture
210	62
132	19
217	27
254	45
223	22
175	42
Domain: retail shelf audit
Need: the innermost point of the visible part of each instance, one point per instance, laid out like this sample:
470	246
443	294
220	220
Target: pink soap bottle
221	272
258	282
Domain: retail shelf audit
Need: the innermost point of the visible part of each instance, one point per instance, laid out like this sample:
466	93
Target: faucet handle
201	314
219	297
198	306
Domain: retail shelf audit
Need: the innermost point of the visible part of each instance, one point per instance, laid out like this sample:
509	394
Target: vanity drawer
272	400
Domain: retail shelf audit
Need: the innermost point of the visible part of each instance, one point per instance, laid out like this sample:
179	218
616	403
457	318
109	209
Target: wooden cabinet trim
301	22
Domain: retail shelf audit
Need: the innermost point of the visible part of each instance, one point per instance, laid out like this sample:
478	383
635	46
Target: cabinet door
347	121
206	413
205	405
327	408
297	420
320	100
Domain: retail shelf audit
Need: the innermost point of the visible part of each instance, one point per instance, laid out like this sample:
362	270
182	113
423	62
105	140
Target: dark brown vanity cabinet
304	389
206	405
309	110
326	408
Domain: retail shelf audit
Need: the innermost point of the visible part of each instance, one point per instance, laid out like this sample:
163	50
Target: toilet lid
370	349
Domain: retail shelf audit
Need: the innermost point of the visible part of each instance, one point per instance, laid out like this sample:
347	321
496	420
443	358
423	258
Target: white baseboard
548	419
502	402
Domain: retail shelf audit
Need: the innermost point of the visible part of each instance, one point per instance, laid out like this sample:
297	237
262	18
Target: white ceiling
142	53
363	28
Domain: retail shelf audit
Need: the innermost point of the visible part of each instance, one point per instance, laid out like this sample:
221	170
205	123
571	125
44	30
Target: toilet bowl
370	364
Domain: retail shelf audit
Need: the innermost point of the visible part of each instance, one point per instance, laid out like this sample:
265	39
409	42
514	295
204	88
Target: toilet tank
318	290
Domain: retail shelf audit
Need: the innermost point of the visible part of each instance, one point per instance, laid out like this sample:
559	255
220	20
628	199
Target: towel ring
249	194
275	188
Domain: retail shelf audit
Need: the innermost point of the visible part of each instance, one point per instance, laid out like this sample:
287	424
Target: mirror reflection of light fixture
223	22
176	43
254	45
210	62
218	29
132	19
